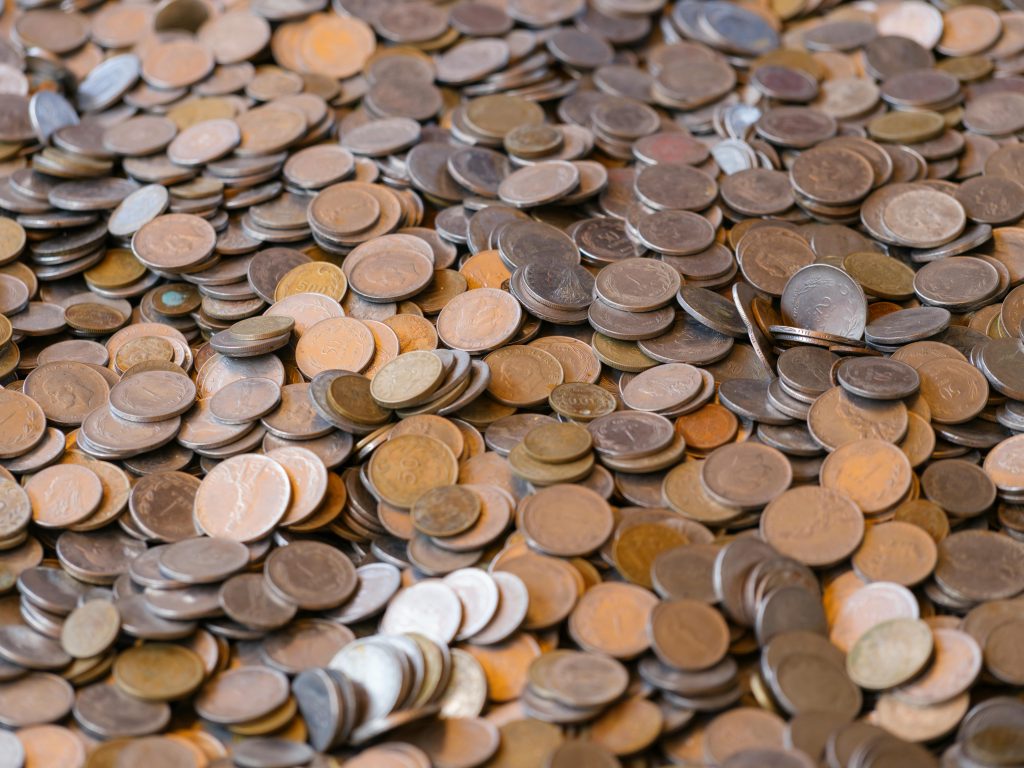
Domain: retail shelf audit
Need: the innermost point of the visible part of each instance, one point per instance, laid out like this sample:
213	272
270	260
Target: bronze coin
692	653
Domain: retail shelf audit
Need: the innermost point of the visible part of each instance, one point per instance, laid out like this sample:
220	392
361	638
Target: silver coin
823	298
49	112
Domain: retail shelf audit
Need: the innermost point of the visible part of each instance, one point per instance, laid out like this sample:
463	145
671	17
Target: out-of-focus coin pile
511	383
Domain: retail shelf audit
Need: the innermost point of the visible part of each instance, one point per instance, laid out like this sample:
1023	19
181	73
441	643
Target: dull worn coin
890	654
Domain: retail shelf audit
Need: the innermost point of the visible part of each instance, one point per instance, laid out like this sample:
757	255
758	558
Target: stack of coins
253	336
553	453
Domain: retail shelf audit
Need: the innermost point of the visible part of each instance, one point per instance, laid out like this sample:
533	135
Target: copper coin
222	502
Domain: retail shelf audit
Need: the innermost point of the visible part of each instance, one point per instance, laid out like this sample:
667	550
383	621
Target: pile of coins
511	383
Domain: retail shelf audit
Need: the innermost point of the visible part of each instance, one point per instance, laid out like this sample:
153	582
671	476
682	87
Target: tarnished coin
244	400
90	629
889	654
872	559
158	672
878	379
765	475
817	526
479	320
230	696
389	468
692	653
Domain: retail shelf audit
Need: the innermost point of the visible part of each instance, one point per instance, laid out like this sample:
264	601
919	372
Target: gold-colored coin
557	443
313	277
9	359
350	396
414	331
407	380
159	672
581	402
497	114
636	547
118	268
12	239
967	69
6	330
907	127
445	511
198	110
262	327
790	57
880	275
274	721
447	284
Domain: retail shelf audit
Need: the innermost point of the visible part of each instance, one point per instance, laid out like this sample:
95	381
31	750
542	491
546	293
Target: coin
223	699
793	523
957	662
222	503
915	644
479	320
446	511
871	561
766	475
49	744
90	629
180	672
390	474
63	495
848	469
